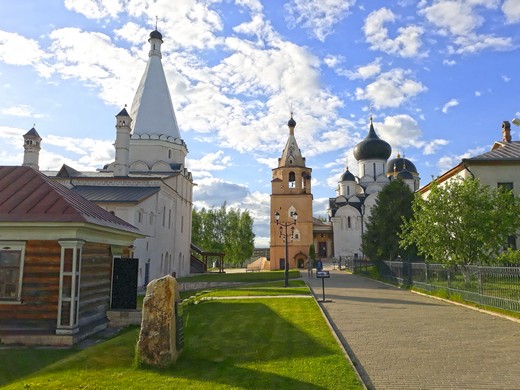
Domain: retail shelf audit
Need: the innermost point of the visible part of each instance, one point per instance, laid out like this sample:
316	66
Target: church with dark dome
355	197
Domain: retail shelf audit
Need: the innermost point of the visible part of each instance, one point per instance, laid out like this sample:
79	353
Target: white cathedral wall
347	239
151	151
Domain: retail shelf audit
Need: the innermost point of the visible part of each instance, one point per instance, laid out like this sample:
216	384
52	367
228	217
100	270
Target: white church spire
152	109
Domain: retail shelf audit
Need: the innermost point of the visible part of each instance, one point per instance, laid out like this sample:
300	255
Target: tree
462	223
221	230
381	236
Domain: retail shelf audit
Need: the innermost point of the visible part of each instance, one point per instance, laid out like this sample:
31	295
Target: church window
151	218
348	190
182	223
169	153
153	46
169	219
349	223
164	216
292	180
11	270
374	165
139	216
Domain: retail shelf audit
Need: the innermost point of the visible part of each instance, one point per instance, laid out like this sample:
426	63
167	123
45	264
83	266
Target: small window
505	186
140	216
169	219
151	218
11	270
169	153
182	224
349	224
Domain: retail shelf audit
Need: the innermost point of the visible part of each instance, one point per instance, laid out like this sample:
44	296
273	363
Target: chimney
506	131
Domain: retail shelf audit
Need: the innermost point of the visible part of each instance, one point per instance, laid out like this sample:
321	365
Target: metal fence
491	286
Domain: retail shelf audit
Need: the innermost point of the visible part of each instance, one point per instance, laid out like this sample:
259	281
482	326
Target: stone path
401	340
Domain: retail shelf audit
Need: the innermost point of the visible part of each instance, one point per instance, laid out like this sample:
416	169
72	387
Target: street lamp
285	237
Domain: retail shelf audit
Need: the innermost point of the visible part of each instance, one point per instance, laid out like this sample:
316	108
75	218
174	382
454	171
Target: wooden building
56	259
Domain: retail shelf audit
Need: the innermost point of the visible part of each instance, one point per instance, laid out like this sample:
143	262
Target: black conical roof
372	147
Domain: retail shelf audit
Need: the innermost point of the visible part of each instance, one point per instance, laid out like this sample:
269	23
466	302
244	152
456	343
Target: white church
148	184
350	210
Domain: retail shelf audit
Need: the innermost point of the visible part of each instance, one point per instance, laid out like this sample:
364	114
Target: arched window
292	180
349	223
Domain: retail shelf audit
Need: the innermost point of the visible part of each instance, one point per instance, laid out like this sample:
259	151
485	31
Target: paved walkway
401	340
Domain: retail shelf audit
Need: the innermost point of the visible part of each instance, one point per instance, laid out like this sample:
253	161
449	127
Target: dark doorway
322	249
124	284
282	263
301	263
146	274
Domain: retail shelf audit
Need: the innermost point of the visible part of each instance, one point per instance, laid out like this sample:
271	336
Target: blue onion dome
156	34
348	176
399	164
292	122
372	147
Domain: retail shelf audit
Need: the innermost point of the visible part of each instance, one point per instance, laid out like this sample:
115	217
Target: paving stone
402	340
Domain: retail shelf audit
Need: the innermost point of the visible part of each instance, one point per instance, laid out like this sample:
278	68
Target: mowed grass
257	343
246	277
296	287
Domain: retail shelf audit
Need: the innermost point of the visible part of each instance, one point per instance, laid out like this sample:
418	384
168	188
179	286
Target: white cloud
333	61
317	16
399	130
95	9
449	62
506	78
18	50
210	162
432	146
451	103
445	163
511	9
390	89
365	71
406	44
473	43
478	93
21	110
459	20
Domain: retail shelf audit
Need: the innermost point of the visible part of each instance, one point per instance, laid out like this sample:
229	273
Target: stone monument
158	343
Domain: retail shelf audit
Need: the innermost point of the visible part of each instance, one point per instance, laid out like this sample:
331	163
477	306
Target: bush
508	258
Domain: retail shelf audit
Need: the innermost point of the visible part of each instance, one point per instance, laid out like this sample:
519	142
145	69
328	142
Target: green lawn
241	276
296	287
257	343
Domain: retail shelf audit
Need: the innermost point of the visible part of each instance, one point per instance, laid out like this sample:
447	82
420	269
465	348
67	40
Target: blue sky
440	77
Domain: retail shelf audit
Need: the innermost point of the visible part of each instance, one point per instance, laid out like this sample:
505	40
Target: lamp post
285	238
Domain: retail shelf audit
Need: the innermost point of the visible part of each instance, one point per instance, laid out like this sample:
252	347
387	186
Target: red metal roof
27	195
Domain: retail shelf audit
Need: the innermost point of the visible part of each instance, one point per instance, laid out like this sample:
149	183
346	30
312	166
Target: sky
439	77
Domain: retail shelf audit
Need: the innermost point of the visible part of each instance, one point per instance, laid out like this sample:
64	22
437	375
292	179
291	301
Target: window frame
20	247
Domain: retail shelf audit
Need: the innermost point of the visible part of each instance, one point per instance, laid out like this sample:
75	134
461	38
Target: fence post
479	284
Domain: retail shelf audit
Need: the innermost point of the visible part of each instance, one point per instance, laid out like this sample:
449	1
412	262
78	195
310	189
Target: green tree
462	223
381	235
221	230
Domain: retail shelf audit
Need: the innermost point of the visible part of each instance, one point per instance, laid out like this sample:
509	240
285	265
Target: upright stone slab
157	339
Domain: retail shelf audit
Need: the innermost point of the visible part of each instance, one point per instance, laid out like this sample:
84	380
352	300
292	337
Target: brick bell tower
290	193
